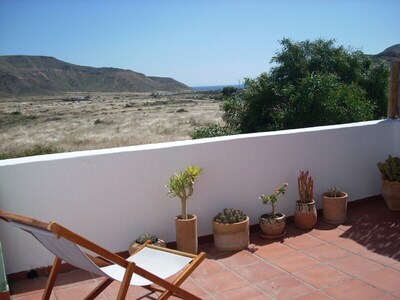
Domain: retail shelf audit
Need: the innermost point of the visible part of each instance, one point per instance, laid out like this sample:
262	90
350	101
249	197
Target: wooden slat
393	104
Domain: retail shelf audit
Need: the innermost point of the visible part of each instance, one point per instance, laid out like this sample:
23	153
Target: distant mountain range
41	75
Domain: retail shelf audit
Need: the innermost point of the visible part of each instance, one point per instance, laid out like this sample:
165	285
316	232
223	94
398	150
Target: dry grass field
107	120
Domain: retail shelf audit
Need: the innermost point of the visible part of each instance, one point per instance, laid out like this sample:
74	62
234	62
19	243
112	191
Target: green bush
209	131
312	83
39	149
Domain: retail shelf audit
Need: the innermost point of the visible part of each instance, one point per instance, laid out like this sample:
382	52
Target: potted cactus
273	224
181	185
390	170
154	240
334	206
305	215
231	230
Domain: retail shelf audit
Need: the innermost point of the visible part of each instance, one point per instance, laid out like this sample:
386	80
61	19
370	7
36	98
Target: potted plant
181	185
390	170
305	215
334	206
273	224
142	239
231	230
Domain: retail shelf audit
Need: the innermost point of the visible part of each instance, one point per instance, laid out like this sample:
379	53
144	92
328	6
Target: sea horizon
216	87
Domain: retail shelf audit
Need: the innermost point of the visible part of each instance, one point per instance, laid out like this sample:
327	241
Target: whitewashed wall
111	196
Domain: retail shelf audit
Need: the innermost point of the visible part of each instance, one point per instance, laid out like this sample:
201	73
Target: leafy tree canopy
312	83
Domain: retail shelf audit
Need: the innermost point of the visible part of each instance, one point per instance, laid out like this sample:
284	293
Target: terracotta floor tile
353	289
259	272
190	285
386	279
294	262
211	251
285	287
208	266
396	266
301	242
354	265
326	234
134	291
396	294
221	281
75	277
239	259
326	252
274	249
247	292
321	276
348	244
31	296
28	286
378	258
388	297
77	291
317	295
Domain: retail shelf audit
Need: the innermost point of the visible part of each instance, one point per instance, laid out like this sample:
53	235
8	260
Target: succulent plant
306	186
181	185
334	191
390	169
146	237
230	216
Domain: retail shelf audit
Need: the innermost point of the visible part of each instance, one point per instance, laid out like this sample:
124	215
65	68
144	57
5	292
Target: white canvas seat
147	266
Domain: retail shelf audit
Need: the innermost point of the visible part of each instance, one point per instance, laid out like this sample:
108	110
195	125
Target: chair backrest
61	247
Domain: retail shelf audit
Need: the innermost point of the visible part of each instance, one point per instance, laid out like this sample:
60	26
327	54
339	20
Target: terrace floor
357	260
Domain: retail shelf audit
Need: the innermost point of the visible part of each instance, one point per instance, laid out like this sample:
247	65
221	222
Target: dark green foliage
230	216
39	149
311	84
228	91
390	169
209	131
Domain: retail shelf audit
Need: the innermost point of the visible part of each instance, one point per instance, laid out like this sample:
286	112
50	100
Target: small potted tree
181	185
305	215
334	206
231	230
390	170
273	224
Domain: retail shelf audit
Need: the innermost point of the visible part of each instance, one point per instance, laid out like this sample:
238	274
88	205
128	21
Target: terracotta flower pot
391	194
186	234
231	237
134	245
334	208
272	227
305	214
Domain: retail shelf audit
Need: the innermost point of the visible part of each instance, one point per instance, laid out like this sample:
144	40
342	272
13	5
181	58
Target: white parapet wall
111	196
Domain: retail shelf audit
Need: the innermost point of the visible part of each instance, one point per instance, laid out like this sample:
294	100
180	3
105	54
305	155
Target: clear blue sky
209	42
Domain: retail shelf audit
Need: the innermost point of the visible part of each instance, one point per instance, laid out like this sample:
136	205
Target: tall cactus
305	186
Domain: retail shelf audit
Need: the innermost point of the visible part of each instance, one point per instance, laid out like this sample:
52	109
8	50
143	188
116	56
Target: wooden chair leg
93	294
126	281
52	278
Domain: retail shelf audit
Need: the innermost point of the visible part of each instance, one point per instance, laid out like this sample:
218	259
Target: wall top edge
126	149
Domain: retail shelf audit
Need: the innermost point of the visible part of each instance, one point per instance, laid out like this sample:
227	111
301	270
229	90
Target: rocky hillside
390	54
34	75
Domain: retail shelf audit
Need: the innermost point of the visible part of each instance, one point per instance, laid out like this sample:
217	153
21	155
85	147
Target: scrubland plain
106	120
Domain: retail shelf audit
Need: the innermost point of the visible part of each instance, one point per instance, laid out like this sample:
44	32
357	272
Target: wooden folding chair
148	266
